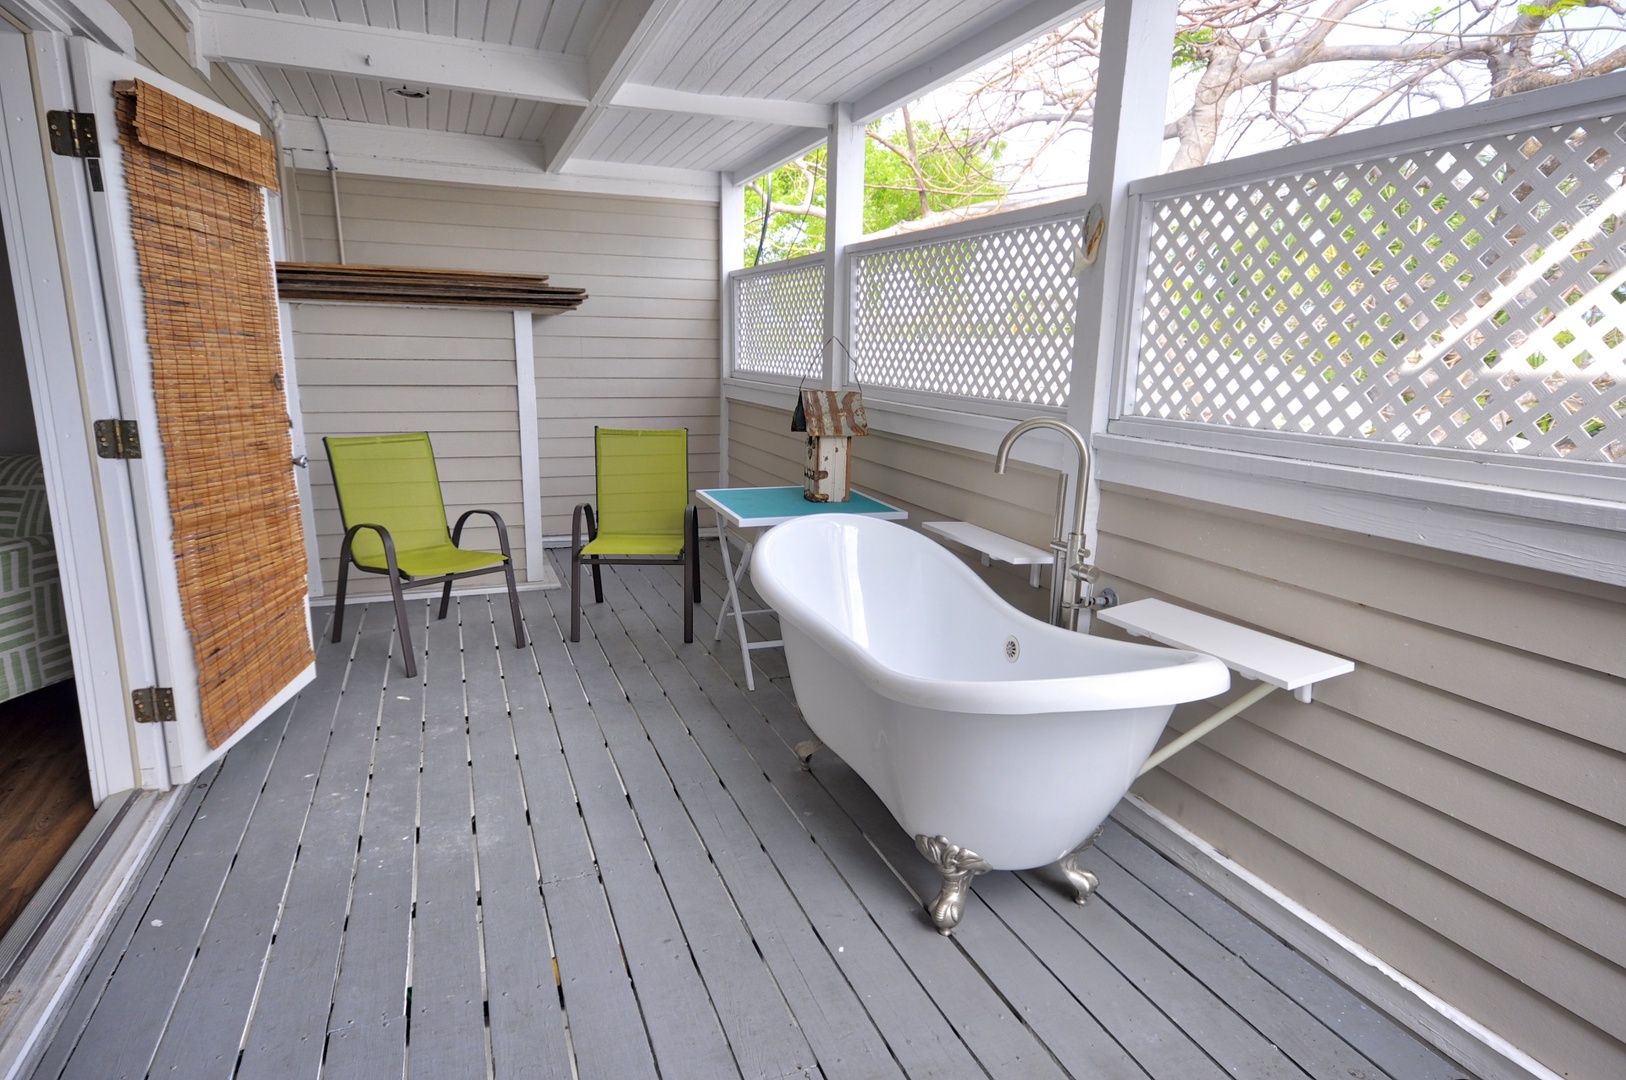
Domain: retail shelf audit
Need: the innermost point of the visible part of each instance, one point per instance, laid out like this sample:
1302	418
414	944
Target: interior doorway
45	791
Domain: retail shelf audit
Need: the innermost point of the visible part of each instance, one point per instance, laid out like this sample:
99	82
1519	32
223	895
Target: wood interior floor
44	791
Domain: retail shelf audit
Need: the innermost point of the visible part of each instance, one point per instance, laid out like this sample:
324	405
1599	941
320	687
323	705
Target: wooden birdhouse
832	419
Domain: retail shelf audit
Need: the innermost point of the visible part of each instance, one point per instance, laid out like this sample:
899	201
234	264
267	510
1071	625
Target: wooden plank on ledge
423	285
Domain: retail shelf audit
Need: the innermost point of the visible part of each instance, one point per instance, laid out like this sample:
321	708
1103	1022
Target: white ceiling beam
779	112
414	154
237	35
627	36
967	54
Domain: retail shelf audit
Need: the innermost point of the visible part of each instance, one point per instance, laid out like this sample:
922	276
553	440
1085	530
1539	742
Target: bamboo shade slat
205	265
165	123
423	286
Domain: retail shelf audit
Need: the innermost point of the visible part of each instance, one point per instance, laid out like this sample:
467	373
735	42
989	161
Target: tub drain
1013	649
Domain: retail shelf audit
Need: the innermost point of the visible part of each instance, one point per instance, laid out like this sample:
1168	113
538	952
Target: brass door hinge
117	439
153	704
73	134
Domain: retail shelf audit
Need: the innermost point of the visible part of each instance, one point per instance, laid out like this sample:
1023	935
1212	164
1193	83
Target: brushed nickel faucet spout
1070	576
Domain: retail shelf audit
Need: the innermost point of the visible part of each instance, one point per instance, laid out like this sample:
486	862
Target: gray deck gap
1371	1033
602	1014
1304	1039
447	1039
762	1032
527	1024
688	1039
1206	1020
998	1038
295	994
95	980
132	1011
211	1014
647	850
1207	1016
831	1016
366	1026
917	1033
988	939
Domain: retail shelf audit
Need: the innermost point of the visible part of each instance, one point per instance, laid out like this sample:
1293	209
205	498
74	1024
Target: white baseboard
1436	1021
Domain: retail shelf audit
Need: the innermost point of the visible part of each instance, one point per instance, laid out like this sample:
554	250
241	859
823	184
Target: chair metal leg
338	597
694	555
446	596
401	623
513	605
576	571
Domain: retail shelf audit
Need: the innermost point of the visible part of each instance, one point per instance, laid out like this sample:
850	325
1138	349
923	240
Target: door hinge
153	704
73	134
117	439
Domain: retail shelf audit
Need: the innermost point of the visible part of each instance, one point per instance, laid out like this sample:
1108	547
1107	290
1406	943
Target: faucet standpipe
1071	577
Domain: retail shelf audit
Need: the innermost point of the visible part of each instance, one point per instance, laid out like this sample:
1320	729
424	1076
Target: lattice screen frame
1007	338
1421	302
786	342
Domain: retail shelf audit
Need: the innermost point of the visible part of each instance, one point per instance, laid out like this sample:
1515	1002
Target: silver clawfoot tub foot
958	866
805	750
1083	882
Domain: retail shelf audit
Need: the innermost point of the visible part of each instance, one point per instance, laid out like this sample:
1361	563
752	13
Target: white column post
730	257
1131	97
530	461
843	225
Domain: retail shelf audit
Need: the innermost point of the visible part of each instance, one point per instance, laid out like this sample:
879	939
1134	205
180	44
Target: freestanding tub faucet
1071	577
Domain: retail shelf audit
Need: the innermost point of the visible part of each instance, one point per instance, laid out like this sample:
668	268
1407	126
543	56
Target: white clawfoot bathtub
999	742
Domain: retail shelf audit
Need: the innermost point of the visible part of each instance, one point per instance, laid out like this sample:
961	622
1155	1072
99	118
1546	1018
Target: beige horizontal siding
933	482
367	369
641	352
1456	804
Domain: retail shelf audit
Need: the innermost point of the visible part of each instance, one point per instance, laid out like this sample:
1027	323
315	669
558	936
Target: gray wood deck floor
604	860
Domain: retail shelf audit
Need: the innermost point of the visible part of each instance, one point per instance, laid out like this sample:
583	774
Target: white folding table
739	509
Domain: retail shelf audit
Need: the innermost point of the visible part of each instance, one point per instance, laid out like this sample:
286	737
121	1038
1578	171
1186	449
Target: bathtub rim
1179	675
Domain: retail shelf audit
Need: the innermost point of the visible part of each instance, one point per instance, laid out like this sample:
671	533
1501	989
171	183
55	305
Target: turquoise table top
758	507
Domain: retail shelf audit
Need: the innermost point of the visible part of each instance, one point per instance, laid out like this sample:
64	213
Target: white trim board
1564	534
1429	1017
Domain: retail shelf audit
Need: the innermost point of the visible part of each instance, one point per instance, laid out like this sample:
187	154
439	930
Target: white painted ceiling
629	93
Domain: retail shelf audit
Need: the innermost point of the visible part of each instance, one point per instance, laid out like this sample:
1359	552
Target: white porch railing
988	313
1468	296
983	310
779	319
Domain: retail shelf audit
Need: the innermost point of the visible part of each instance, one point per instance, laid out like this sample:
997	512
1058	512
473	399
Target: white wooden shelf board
993	545
1249	653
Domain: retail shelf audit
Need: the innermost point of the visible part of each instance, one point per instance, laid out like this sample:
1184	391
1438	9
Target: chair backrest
643	480
388	480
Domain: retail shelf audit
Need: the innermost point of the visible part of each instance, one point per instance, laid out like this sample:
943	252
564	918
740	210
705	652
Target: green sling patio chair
644	514
395	524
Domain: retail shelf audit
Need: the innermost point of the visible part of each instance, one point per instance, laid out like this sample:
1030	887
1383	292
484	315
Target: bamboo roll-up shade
210	302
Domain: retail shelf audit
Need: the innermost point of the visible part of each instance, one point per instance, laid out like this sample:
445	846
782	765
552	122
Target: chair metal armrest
582	510
496	518
383	534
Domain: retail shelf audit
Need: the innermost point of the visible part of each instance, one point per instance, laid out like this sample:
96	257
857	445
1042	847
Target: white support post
1131	97
730	257
530	463
843	225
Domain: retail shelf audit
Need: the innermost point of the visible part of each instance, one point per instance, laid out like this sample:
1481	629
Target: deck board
605	860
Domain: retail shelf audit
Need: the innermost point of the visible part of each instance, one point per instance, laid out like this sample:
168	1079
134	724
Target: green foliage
1189	47
1547	11
953	177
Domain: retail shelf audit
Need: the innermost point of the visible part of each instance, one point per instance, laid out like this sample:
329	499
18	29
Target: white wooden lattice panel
1471	296
988	315
779	321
